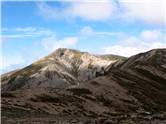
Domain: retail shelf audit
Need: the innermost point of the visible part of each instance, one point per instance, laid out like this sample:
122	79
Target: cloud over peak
52	43
131	45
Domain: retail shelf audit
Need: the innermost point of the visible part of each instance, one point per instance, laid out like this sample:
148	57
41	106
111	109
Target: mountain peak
65	49
64	67
64	52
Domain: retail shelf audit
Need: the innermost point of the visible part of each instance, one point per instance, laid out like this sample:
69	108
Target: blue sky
31	30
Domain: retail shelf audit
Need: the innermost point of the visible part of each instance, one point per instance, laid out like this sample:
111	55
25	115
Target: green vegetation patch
77	55
113	57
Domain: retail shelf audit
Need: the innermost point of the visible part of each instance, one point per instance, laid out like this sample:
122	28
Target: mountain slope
131	91
145	77
60	69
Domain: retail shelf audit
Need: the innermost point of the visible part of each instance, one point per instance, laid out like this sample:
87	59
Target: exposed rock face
131	91
62	68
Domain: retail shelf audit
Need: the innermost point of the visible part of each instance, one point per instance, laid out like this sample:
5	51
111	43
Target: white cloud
8	36
51	43
93	11
151	35
88	31
122	50
10	62
86	10
25	29
49	12
150	11
24	32
148	39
